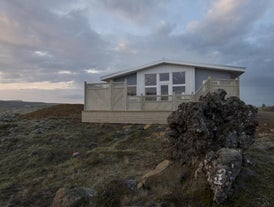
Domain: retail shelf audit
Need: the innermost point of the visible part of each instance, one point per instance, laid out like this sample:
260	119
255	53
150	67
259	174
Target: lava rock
73	197
222	168
213	132
209	125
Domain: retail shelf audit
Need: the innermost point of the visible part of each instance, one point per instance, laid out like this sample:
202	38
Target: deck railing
113	96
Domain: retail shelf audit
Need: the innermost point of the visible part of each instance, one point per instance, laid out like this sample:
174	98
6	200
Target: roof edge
172	62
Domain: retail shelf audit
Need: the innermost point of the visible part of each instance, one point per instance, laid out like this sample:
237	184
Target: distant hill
18	106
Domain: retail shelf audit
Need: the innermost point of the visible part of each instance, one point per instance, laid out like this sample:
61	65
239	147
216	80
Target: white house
147	94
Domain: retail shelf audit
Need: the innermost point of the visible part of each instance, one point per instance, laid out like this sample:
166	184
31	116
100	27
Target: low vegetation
49	149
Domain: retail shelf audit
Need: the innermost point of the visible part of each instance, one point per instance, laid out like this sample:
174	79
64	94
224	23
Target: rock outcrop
158	171
213	132
73	197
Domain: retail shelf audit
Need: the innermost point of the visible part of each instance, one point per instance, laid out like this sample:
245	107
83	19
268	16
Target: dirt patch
59	110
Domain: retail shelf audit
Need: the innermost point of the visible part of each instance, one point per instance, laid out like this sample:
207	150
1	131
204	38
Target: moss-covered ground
37	158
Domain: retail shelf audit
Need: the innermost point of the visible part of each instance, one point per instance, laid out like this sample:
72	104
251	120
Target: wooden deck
126	117
109	102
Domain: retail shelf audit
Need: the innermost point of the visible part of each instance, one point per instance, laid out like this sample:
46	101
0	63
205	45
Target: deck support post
111	94
85	95
125	95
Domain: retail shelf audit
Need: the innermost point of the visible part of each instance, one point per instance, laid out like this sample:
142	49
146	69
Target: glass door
164	92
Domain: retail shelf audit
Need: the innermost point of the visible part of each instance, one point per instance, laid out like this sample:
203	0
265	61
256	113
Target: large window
151	93
131	85
164	76
151	86
164	84
179	90
150	79
178	83
178	78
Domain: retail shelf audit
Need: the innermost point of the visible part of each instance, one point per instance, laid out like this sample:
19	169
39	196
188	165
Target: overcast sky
48	48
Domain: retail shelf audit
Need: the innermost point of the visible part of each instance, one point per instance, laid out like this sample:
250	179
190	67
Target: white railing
113	96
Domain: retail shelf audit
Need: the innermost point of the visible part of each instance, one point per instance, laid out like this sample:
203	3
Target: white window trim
169	83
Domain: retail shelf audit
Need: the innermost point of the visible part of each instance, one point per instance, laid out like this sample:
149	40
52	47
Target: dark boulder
209	125
213	132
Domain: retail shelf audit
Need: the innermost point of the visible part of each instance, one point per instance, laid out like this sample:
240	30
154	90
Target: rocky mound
56	111
213	132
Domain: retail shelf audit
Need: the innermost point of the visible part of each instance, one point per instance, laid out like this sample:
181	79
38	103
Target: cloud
44	85
136	11
34	40
164	28
66	72
125	47
227	20
42	53
58	41
92	71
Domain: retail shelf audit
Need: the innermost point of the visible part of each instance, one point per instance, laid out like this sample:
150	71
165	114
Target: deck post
173	101
85	96
209	84
111	94
125	95
142	102
238	86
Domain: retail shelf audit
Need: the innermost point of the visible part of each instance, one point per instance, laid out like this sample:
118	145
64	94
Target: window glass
131	91
164	92
150	79
150	91
179	90
164	76
178	78
132	79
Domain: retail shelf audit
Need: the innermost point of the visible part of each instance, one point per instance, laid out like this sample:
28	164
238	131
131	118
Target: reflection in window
131	90
179	90
178	78
132	79
164	76
150	92
150	79
164	92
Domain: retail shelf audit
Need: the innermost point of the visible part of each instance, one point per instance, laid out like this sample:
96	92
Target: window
132	79
131	90
164	92
179	90
178	78
151	92
164	76
150	79
178	83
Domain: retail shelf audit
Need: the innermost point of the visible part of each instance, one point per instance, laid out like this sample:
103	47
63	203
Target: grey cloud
73	45
69	41
138	11
165	28
227	20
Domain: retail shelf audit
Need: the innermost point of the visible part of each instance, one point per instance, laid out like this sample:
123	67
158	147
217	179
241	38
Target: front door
164	92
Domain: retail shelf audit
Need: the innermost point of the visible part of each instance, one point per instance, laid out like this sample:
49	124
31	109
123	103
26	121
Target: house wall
164	68
203	74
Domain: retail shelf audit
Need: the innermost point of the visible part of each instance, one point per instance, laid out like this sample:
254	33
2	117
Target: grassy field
36	159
